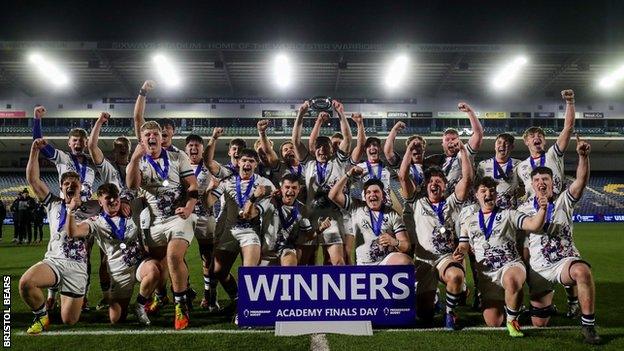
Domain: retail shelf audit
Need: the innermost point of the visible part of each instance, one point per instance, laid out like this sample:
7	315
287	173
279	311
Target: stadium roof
244	69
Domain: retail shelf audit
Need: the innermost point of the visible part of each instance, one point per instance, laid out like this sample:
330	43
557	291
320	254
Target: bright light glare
509	73
609	81
282	70
49	70
168	73
396	72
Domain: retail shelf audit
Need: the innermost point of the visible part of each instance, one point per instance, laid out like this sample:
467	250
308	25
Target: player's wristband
143	92
193	194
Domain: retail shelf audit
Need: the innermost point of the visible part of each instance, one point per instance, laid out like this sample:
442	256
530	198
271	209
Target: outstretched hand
583	148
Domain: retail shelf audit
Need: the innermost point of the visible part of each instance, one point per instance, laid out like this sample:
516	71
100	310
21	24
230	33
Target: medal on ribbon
376	223
118	232
542	161
487	229
81	169
163	172
370	170
498	170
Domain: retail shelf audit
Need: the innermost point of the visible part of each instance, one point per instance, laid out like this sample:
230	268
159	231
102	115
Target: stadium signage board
520	114
454	114
497	114
383	295
395	114
543	114
593	115
422	114
12	114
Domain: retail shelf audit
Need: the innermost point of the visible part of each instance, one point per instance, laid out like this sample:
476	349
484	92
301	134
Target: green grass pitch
601	244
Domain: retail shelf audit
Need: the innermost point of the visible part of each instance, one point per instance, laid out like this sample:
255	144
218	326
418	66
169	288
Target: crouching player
119	237
64	266
285	222
554	257
434	218
379	230
491	233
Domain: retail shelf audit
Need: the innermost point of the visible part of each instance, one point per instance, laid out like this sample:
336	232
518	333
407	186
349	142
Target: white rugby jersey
553	159
368	250
435	238
111	173
335	169
556	242
275	235
507	181
226	170
203	181
379	171
66	162
230	209
500	248
122	252
164	199
61	246
452	168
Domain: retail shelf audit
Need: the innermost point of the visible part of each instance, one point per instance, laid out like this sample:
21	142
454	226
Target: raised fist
260	191
40	111
39	143
583	148
214	183
304	107
262	125
149	85
464	107
217	133
399	126
357	117
568	95
355	171
338	106
324	224
324	117
104	117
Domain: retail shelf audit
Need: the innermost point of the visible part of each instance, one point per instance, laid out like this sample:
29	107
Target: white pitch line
261	331
318	342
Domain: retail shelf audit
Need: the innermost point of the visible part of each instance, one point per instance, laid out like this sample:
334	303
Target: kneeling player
378	228
554	257
491	232
65	264
119	237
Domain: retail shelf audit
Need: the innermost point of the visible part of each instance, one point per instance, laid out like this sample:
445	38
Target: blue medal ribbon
62	218
549	212
81	169
448	167
439	210
118	232
198	170
370	170
163	173
287	222
299	170
376	223
487	230
240	197
542	161
498	168
321	171
231	167
418	178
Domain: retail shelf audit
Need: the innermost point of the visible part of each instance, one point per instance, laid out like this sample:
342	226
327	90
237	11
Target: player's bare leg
453	277
251	255
32	281
579	273
118	310
336	254
178	271
513	280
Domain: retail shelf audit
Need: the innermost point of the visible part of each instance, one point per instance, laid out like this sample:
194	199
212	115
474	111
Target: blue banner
598	218
383	295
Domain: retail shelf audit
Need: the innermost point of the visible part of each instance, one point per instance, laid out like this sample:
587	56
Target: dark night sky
518	22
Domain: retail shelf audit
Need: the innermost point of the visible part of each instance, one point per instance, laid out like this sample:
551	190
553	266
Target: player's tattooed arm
39	113
92	144
389	144
300	150
209	161
583	148
139	107
358	150
133	173
535	223
477	129
345	144
408	187
336	193
32	170
463	186
568	125
265	144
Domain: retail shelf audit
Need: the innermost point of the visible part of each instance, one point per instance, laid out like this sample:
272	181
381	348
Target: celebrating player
491	233
119	236
417	153
433	216
554	257
65	264
160	172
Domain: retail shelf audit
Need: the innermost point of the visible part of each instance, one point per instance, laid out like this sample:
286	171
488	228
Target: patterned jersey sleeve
516	218
49	200
61	157
398	225
186	169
